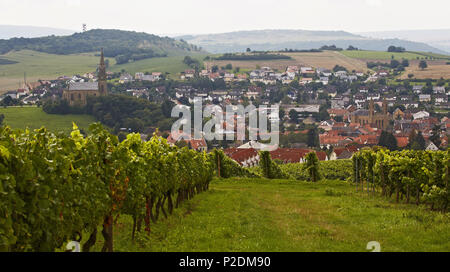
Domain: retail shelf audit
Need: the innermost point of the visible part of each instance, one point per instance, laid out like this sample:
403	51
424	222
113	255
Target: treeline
331	48
252	56
397	49
122	111
57	188
394	64
137	54
191	62
119	111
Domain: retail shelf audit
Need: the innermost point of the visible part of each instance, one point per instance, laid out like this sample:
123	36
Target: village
332	111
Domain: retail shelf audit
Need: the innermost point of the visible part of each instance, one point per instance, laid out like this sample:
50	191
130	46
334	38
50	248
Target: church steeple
102	85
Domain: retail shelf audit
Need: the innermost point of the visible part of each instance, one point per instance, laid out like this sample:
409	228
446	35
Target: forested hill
122	45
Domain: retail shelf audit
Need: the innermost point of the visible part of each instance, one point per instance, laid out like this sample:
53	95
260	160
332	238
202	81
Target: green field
381	55
285	215
34	117
172	65
39	65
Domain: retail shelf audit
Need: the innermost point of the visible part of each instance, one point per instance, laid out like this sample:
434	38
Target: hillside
439	38
296	39
53	56
123	45
16	31
38	65
325	59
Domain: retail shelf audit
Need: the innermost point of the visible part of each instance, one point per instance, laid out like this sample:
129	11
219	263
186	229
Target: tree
2	117
167	107
293	115
388	140
423	64
393	48
312	166
229	66
416	141
323	113
248	50
405	63
313	138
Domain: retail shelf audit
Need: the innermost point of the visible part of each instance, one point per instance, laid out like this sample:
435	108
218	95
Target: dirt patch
435	70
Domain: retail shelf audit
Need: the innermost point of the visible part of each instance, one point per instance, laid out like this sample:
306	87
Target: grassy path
280	215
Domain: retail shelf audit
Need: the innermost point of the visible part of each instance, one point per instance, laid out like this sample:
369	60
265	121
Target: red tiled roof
294	155
240	154
322	155
329	139
402	141
367	139
196	144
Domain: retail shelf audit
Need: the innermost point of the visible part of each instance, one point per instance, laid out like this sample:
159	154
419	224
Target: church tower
371	111
102	85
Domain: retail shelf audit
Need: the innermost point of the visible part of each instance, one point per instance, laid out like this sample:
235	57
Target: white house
431	146
421	115
424	97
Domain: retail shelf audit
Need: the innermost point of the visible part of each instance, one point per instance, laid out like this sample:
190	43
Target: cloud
374	3
73	3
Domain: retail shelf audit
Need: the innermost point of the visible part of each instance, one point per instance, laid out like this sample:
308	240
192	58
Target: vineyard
409	175
57	188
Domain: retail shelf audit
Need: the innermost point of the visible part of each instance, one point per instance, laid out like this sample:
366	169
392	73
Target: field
435	70
326	59
285	215
172	65
39	65
34	117
381	55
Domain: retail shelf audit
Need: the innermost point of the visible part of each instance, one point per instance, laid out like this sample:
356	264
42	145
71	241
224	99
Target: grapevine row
410	175
55	188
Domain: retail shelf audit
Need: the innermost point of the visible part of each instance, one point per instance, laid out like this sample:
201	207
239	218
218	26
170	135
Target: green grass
34	117
39	65
381	55
47	65
283	215
172	65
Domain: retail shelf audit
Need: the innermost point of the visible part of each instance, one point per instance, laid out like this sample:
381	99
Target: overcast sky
211	16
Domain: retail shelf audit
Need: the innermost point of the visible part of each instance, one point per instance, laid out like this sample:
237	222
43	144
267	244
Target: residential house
125	78
424	97
421	115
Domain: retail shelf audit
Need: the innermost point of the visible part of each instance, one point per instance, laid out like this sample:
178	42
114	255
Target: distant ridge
439	38
296	39
15	31
125	46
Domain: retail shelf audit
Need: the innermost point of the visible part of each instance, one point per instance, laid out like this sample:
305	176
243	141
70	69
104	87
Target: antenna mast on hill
84	27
